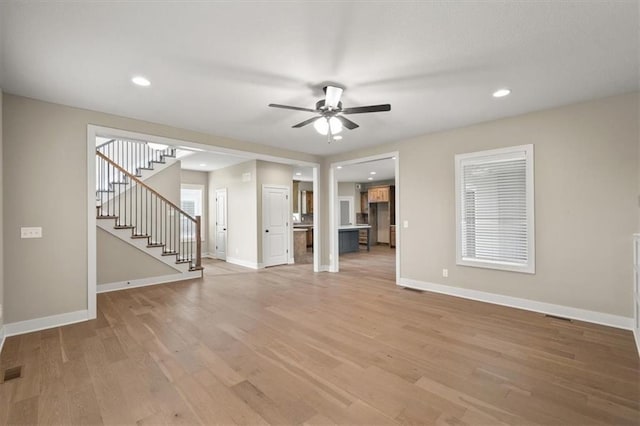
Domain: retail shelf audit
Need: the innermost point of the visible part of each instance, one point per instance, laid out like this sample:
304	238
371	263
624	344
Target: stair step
140	236
196	268
155	245
183	261
158	161
106	217
169	253
124	227
118	183
105	190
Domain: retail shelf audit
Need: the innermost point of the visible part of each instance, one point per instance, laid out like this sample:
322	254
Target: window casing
192	202
495	209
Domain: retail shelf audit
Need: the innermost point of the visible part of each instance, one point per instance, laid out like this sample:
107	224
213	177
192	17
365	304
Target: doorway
365	232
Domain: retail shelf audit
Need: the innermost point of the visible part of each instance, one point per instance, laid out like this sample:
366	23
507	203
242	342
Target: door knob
266	230
224	229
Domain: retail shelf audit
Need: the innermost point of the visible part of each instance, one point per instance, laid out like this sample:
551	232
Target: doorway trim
334	218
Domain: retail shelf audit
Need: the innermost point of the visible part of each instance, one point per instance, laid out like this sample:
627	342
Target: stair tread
139	236
124	227
106	217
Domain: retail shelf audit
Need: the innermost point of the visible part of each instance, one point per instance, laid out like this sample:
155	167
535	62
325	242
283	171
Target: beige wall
242	218
348	189
586	204
1	221
45	176
194	177
269	173
119	261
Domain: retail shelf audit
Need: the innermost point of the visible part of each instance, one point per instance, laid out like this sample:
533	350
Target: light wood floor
286	346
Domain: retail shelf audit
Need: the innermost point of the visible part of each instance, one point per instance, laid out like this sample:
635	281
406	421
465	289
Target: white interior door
221	224
275	225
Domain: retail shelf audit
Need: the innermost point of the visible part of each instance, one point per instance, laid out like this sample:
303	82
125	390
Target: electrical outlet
445	273
405	224
31	232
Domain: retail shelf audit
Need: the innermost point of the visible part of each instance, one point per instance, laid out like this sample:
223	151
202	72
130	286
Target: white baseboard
245	263
209	255
2	337
324	268
37	324
528	305
636	335
143	282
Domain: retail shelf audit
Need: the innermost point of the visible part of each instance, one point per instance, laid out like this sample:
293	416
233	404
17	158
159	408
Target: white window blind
494	203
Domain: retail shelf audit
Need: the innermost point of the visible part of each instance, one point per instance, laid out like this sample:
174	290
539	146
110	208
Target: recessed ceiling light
337	138
298	174
372	173
141	81
203	165
339	167
501	93
370	178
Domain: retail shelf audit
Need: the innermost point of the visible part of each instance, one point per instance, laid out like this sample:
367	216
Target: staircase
131	210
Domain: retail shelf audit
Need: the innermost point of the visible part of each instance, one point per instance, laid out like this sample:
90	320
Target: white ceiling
209	161
361	172
214	66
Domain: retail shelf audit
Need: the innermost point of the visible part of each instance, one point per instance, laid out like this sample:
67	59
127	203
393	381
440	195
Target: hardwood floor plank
284	345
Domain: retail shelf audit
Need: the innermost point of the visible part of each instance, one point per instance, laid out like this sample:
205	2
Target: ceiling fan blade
333	95
292	107
347	123
305	122
363	109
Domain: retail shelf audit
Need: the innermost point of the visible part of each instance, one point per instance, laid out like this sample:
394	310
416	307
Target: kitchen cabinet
382	213
379	194
310	237
307	202
363	237
392	236
364	202
296	196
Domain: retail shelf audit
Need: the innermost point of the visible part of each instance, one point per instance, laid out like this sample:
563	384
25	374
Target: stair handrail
196	220
105	143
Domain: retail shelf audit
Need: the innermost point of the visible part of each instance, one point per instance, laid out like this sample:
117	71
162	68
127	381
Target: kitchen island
348	238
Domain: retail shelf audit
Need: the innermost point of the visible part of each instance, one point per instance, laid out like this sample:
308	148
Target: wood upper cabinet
379	194
364	202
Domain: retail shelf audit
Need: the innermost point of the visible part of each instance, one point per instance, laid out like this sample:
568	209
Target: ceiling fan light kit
331	118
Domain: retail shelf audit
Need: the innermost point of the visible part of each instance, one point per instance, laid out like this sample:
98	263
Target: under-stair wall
132	263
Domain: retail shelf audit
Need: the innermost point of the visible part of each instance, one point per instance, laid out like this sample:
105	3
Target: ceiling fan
331	120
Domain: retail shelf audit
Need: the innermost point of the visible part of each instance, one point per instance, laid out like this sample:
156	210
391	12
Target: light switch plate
405	224
31	232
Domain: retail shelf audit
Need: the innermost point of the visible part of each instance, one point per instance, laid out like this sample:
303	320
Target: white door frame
226	218
95	130
334	218
289	220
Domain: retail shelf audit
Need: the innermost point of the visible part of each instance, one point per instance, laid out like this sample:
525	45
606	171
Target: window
192	202
494	209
